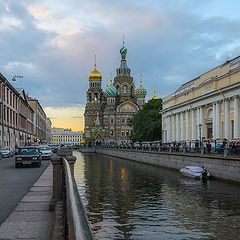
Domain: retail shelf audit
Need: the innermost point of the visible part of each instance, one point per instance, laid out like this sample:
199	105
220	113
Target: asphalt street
15	183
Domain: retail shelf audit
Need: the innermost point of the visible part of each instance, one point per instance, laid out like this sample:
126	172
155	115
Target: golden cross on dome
140	79
123	40
110	78
95	60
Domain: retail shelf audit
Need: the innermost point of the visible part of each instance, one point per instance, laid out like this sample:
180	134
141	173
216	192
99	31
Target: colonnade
190	124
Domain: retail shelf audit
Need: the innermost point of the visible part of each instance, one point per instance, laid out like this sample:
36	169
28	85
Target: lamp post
200	134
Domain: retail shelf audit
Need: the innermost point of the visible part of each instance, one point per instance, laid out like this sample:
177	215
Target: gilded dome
141	91
154	97
95	74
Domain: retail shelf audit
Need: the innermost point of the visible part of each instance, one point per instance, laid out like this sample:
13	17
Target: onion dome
123	50
111	90
95	74
141	91
154	97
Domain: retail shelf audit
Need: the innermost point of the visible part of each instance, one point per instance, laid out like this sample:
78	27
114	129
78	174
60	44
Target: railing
70	219
184	150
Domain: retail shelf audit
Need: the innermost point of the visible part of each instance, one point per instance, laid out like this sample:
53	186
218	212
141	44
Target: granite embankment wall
227	168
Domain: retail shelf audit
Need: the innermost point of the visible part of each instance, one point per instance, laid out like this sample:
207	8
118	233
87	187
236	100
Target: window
123	120
123	132
232	128
127	132
111	132
124	89
112	121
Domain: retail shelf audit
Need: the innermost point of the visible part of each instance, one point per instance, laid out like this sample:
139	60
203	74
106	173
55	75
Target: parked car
54	147
45	151
6	152
28	156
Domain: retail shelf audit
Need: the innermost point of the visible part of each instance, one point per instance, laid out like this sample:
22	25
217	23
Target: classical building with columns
206	107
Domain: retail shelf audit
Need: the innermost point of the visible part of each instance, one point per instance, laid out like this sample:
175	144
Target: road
15	183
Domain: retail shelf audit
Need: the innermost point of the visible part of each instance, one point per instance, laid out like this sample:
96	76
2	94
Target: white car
45	151
6	152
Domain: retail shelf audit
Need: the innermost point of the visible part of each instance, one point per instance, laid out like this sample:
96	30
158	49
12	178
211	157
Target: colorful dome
123	50
141	90
95	74
111	90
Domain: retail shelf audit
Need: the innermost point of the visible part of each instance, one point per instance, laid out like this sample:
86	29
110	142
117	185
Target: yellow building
66	136
206	107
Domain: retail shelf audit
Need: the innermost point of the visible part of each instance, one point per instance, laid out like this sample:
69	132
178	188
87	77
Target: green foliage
147	124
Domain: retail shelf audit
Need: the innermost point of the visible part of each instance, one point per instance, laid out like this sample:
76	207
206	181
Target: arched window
124	89
89	97
131	91
117	89
95	97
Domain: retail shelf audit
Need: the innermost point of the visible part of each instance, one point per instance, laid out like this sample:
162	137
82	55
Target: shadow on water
129	200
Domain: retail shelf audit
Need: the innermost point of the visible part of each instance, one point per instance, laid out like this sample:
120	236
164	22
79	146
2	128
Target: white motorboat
195	172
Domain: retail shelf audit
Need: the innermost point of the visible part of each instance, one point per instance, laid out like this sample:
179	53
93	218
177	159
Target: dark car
28	156
54	147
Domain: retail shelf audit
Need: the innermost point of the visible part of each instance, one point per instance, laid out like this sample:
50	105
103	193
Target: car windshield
45	148
4	149
28	151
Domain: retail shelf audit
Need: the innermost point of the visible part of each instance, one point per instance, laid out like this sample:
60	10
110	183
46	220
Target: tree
147	123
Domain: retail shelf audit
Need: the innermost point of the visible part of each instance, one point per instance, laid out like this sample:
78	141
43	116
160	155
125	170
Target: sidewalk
31	219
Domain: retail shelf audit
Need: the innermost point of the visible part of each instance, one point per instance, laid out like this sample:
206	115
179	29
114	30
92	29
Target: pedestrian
208	146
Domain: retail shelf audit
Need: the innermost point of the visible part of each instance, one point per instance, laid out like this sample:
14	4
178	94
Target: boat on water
195	172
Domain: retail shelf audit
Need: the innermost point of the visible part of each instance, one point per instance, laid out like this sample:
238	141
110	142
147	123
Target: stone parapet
227	168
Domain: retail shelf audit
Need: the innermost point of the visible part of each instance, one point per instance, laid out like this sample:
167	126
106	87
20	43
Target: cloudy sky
53	43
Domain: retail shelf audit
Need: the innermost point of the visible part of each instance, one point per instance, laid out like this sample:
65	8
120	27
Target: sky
52	45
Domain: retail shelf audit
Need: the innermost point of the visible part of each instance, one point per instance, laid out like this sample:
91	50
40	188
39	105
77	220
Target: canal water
130	200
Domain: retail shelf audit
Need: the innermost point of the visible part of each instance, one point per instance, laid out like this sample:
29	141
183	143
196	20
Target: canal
129	200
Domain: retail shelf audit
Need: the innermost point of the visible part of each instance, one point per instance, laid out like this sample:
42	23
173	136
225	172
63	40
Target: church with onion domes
107	113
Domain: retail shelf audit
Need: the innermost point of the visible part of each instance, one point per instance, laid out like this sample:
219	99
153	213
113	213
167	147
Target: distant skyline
53	43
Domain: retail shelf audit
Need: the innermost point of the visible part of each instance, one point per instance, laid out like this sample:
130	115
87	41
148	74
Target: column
235	104
168	129
193	124
217	121
201	119
214	121
182	126
187	125
177	127
173	128
197	129
226	121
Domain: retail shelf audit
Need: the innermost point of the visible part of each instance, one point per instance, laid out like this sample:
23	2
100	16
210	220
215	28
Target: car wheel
39	164
16	166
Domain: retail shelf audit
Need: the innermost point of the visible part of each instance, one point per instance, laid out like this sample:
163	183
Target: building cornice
212	96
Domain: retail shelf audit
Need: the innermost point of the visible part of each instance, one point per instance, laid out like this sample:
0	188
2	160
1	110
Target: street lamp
200	134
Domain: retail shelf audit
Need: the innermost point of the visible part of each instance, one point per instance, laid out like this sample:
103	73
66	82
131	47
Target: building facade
48	130
107	113
39	119
66	136
16	116
206	107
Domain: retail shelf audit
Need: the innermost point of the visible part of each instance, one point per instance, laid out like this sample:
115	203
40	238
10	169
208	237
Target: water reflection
128	200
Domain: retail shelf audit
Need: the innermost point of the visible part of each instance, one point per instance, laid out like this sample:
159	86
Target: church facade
107	113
